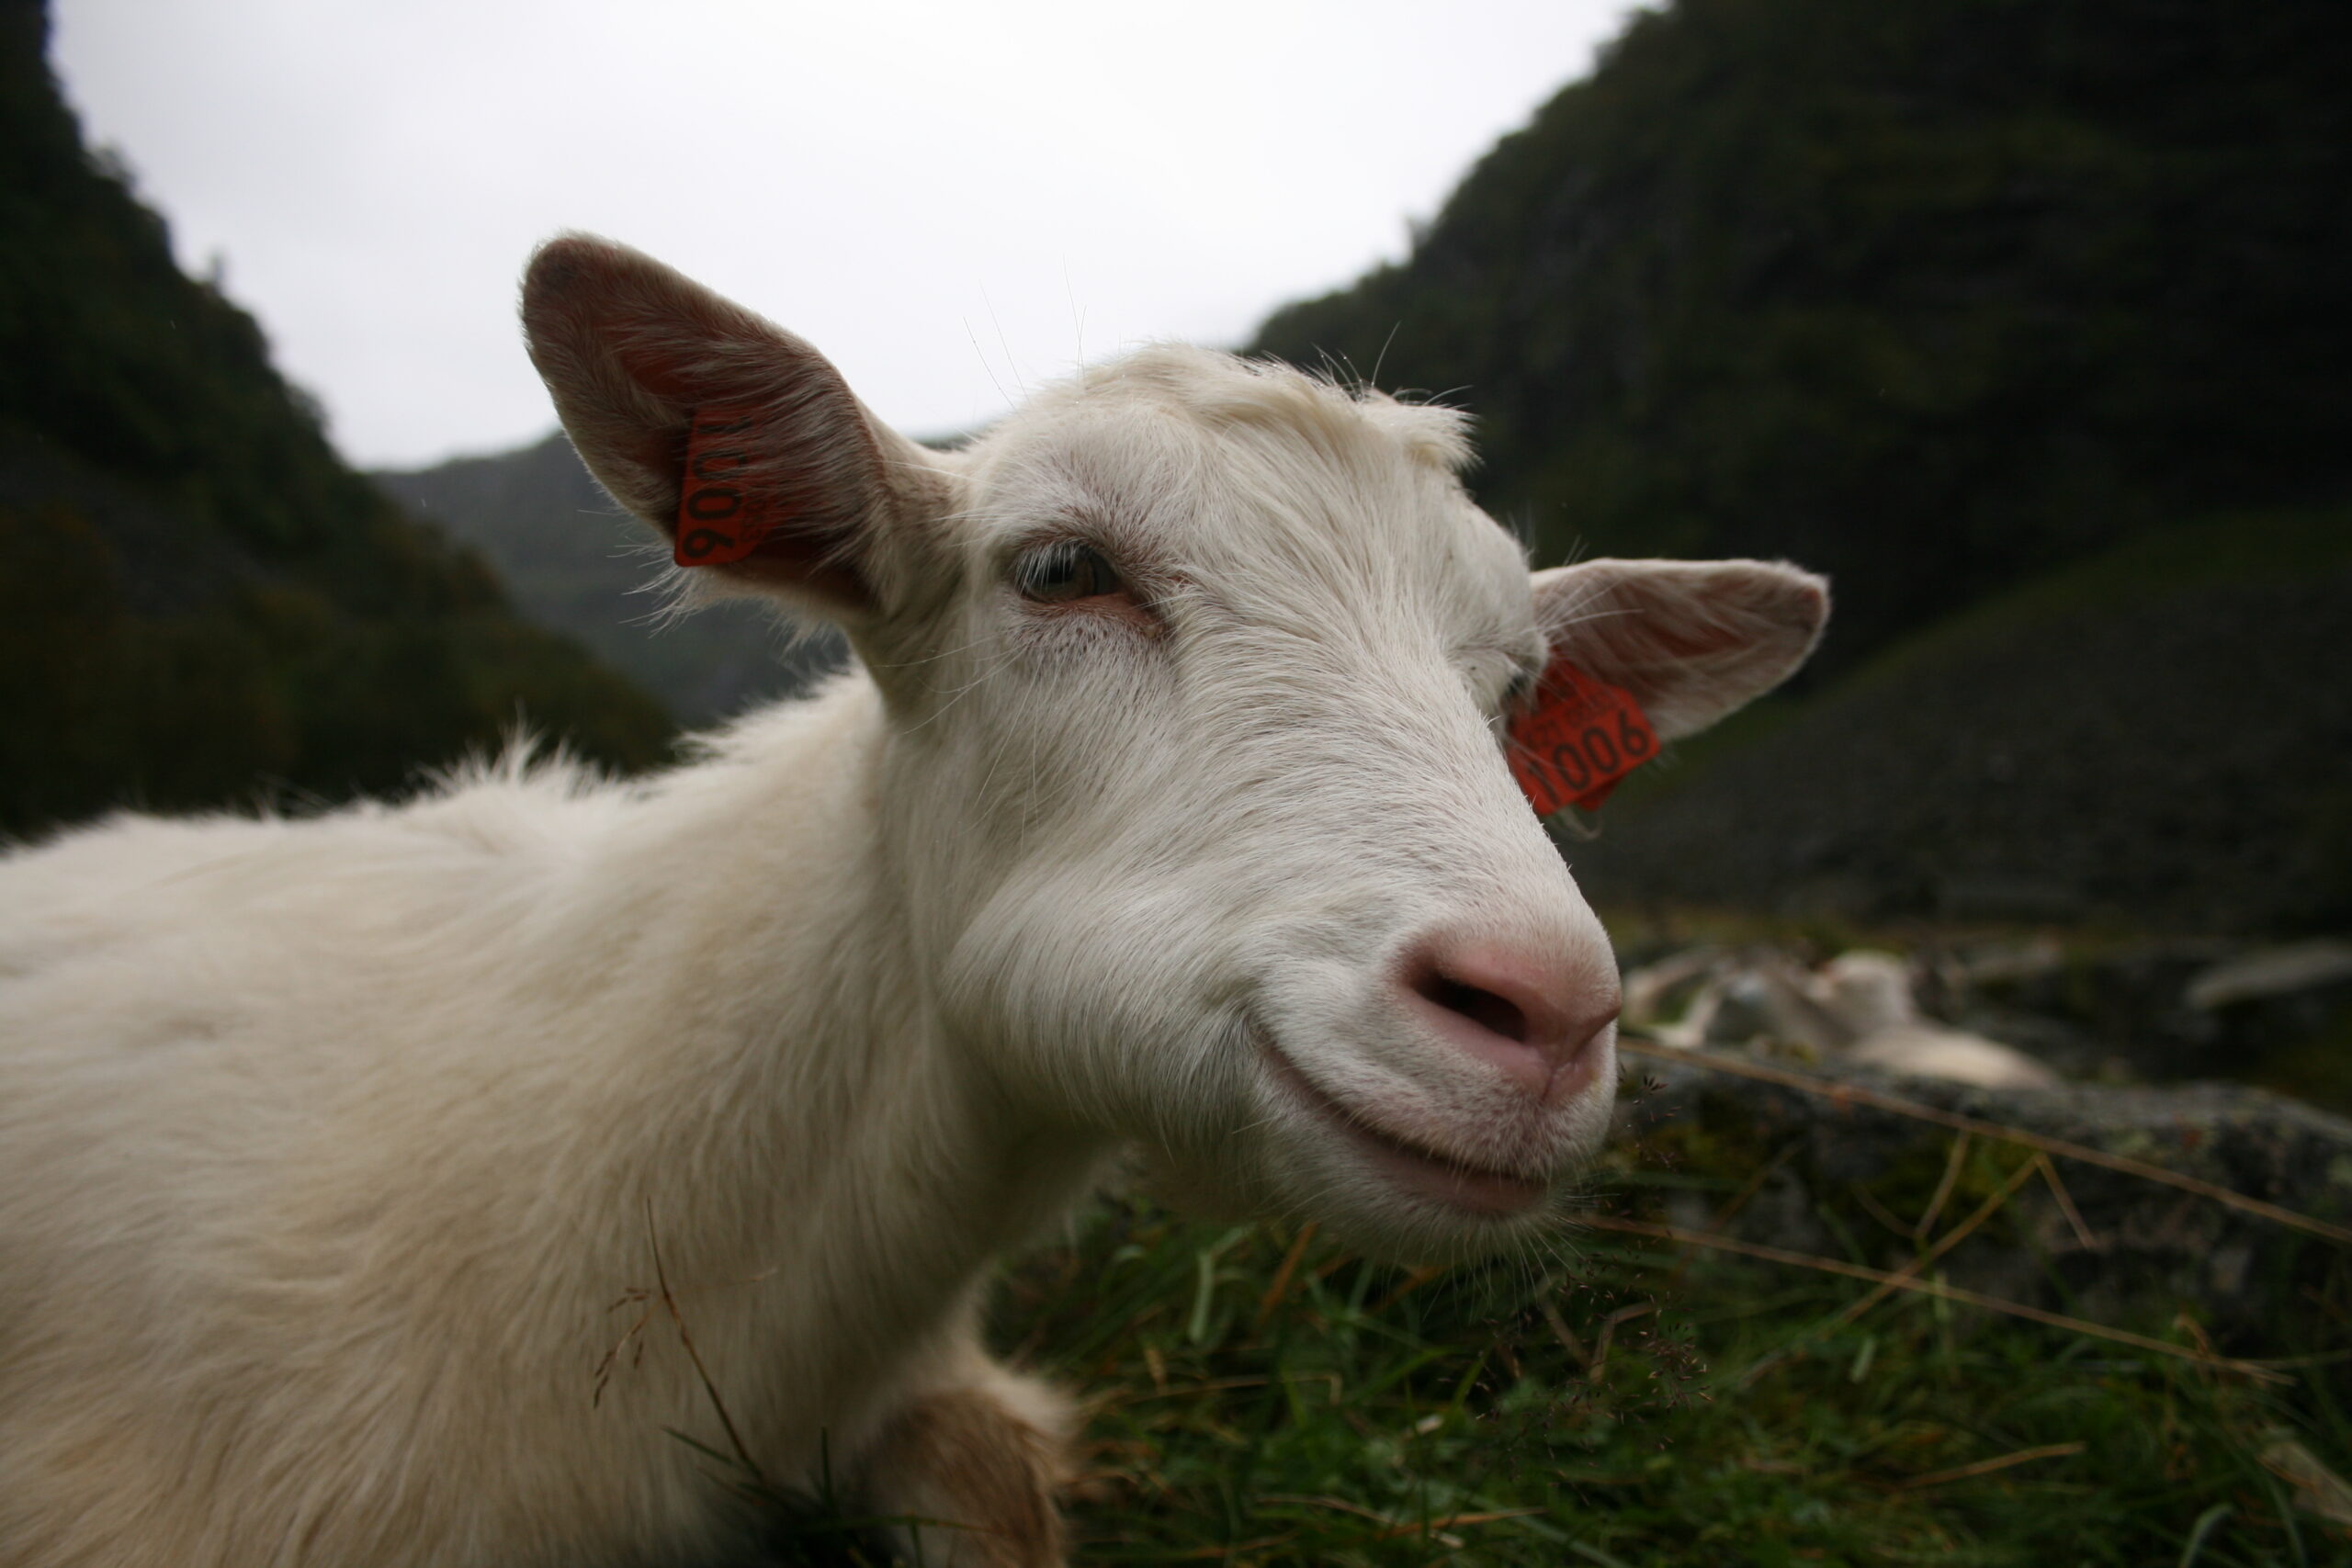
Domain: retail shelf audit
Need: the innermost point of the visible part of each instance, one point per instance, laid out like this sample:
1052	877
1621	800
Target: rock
2140	1240
1923	1051
1860	1004
2270	973
1870	992
2126	997
1657	992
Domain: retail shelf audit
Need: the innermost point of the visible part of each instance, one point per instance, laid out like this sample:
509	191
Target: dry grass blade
1858	1094
1280	1287
2083	1233
1933	1288
1566	1336
1391	1528
1435	1526
632	1339
1952	1164
1211	1553
1609	1333
1337	1505
1988	1466
661	1284
1406	1287
1950	1239
1723	1217
1195	1389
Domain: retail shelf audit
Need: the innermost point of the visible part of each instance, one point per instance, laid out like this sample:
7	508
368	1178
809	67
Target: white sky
950	200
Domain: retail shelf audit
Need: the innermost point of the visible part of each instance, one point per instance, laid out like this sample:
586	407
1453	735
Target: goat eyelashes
1065	572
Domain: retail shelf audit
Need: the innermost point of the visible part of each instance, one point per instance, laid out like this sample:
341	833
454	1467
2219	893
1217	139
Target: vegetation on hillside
199	603
575	562
2152	739
1928	296
1953	300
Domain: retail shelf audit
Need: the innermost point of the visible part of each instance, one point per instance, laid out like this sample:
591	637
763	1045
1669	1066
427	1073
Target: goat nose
1536	1023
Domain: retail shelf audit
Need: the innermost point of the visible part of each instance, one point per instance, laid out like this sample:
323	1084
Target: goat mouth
1425	1172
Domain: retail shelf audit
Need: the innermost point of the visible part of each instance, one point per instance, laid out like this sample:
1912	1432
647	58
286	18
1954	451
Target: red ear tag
720	518
1579	739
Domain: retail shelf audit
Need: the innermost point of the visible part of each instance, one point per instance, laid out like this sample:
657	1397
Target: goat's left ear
1691	640
732	436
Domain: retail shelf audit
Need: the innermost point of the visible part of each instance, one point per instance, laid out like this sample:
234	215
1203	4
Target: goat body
356	1173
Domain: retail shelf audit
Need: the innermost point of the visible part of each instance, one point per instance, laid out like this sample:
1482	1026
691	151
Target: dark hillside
576	563
2156	737
1929	296
198	602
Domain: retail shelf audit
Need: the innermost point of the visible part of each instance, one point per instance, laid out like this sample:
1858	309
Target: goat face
1198	676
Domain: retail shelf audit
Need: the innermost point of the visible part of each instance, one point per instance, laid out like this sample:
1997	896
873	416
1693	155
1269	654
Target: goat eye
1060	572
1521	688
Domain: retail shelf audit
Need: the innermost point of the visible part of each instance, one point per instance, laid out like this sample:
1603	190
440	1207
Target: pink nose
1532	1021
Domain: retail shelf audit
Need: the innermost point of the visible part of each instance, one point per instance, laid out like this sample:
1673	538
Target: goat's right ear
801	492
1691	641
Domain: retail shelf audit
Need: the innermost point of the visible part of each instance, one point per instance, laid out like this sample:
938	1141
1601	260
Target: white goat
1167	811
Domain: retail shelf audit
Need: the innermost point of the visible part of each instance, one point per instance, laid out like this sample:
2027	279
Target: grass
1258	1396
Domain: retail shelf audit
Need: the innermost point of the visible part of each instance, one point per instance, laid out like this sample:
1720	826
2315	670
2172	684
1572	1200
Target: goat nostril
1496	1015
1523	1013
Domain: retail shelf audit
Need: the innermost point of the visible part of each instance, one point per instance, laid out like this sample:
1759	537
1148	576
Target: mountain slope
1929	296
575	563
199	603
2024	321
2156	737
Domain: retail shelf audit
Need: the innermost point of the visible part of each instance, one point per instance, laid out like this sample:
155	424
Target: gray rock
2271	972
2141	1246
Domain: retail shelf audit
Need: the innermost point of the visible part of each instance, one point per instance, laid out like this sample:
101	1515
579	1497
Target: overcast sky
951	200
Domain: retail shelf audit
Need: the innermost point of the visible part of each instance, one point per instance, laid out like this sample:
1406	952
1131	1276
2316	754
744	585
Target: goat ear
1691	640
827	501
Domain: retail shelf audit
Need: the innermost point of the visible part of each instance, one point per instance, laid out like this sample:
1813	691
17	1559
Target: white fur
327	1147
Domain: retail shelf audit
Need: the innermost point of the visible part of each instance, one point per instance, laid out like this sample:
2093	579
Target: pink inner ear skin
1691	641
790	558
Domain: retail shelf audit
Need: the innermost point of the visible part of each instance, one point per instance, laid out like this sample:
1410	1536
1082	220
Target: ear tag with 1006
1580	737
720	517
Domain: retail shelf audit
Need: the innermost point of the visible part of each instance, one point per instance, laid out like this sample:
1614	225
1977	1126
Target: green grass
1261	1397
